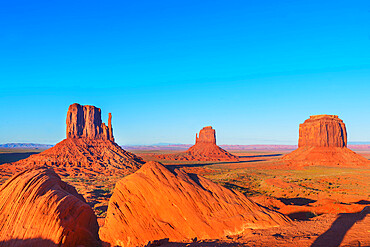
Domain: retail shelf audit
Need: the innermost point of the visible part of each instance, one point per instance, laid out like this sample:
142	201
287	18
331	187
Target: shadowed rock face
323	141
36	204
205	149
322	131
85	121
156	203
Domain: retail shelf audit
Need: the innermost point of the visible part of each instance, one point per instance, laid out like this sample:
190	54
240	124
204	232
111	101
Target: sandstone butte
88	150
156	203
323	141
205	149
38	209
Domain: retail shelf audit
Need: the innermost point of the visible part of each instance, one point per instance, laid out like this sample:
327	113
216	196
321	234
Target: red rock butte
323	141
322	131
205	149
85	121
207	135
156	203
38	209
89	148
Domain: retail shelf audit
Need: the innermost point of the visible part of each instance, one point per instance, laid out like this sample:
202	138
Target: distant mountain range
26	145
176	146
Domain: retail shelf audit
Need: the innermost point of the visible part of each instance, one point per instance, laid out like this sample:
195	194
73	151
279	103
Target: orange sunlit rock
36	204
85	121
322	131
156	203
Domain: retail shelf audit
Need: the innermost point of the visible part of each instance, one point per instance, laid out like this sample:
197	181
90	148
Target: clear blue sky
253	70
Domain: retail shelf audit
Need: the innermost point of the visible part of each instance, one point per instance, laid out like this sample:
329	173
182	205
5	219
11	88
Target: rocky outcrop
36	204
322	131
156	203
323	141
205	149
85	121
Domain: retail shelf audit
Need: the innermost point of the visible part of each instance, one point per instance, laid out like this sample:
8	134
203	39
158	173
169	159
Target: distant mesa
323	141
37	204
156	203
205	149
88	150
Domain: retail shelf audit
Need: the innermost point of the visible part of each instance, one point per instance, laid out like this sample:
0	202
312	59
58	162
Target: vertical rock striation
85	121
207	135
322	131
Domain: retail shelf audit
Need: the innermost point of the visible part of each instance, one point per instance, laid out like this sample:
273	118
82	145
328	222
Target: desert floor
327	204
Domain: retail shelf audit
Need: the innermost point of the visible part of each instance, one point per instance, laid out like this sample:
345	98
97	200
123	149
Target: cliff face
206	135
156	203
85	121
322	131
36	204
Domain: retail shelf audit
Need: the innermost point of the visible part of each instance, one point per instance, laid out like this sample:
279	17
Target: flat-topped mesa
323	142
206	135
322	131
85	121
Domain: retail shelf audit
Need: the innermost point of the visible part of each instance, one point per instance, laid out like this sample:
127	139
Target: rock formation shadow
200	244
210	163
298	201
335	234
31	242
13	157
261	156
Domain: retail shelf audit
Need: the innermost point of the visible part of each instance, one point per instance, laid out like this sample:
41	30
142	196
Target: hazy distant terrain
26	145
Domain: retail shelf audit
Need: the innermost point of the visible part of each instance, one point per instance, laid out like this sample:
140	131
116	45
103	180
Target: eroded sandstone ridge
205	149
156	203
38	209
89	148
323	141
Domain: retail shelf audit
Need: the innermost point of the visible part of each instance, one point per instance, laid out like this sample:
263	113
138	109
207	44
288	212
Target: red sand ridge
323	141
205	149
89	149
38	209
156	203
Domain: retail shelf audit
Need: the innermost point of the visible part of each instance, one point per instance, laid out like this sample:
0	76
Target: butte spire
205	149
